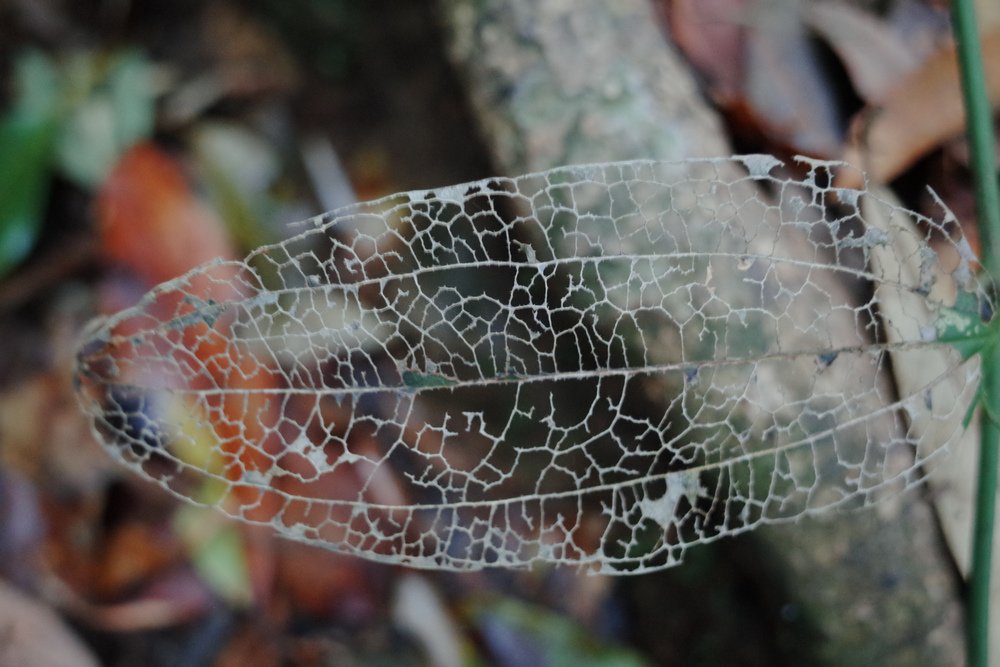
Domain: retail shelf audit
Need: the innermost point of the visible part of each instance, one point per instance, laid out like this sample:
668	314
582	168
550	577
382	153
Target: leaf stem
979	121
978	621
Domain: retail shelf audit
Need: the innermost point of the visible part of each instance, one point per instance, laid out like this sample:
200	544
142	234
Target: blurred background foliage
138	140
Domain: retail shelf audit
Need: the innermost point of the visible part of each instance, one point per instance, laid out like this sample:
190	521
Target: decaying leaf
952	492
598	365
710	34
922	111
875	57
784	83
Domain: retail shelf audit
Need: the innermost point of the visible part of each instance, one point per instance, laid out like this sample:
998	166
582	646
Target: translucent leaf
598	365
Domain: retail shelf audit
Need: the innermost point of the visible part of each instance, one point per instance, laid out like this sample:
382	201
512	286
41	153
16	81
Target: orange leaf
922	112
150	220
134	553
152	223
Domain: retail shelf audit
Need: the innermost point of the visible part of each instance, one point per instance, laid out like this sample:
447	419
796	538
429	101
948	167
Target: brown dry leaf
247	60
247	54
758	63
785	86
923	111
45	437
30	634
987	13
925	27
133	554
875	56
22	427
326	585
710	34
252	645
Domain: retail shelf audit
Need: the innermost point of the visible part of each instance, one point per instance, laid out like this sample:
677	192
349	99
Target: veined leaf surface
597	365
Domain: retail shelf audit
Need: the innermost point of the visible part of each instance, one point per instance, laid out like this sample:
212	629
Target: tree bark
556	82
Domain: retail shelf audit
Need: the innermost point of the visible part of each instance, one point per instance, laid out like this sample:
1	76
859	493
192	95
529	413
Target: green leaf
115	112
415	380
549	637
216	550
962	327
133	96
86	151
986	396
27	131
37	87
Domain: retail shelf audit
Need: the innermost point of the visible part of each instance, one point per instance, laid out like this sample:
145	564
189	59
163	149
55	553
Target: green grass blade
984	166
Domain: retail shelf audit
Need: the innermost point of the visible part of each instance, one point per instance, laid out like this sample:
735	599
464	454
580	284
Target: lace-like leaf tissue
596	365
